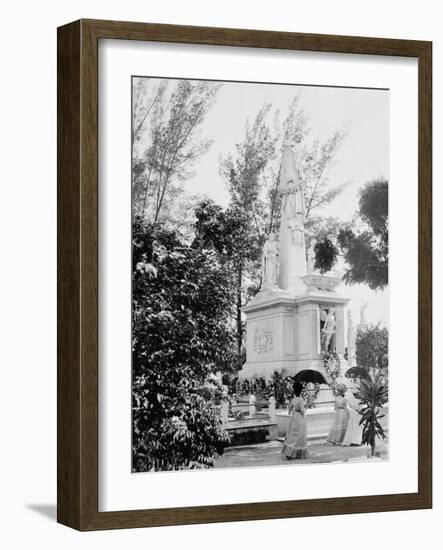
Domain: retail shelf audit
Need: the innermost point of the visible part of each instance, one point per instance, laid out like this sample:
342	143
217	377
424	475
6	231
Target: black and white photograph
260	295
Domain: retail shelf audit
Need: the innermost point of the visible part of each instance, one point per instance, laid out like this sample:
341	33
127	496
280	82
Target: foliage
163	155
147	93
325	255
229	232
331	362
372	347
372	355
243	172
180	335
373	395
310	393
281	387
247	386
365	251
316	161
363	244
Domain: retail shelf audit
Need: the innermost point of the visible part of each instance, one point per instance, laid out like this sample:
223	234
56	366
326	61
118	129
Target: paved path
269	454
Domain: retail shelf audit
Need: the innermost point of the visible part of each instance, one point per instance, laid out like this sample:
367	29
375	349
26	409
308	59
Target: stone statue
292	249
299	201
328	329
224	409
311	256
290	185
351	341
270	260
363	307
297	229
251	405
271	408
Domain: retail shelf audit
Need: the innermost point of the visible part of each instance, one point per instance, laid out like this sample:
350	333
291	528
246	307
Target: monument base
284	329
265	369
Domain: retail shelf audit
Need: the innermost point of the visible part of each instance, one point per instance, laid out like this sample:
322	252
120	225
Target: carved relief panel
264	339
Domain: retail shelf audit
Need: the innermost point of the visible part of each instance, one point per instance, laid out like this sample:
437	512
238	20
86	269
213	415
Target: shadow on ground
49	511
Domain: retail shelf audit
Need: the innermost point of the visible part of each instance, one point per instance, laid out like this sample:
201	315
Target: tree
247	227
172	143
325	254
181	303
228	232
146	94
372	347
244	172
366	250
316	161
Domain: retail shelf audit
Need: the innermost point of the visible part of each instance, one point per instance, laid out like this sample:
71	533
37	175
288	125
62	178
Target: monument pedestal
283	330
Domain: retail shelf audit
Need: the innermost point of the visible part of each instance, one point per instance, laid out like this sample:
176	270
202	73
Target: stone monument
297	316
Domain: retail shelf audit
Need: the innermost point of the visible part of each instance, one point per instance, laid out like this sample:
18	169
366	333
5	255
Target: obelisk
292	253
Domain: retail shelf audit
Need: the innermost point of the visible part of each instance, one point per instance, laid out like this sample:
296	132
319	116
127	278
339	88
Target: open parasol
357	372
310	376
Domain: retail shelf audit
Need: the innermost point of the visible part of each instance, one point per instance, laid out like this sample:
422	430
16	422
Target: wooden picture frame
78	274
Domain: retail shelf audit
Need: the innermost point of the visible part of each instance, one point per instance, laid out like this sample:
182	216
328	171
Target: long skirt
354	431
339	427
296	441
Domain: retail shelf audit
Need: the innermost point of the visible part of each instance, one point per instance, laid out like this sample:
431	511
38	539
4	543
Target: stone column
224	411
340	331
271	409
351	341
251	405
292	253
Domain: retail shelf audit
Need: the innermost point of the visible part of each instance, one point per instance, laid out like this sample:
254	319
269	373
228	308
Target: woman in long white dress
341	416
354	431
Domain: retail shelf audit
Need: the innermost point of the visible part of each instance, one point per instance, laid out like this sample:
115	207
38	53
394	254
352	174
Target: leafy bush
325	255
180	335
366	251
373	395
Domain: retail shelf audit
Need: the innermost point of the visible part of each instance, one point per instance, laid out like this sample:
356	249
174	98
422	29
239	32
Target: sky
363	155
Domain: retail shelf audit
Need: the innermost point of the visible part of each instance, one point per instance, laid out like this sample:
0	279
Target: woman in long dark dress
295	445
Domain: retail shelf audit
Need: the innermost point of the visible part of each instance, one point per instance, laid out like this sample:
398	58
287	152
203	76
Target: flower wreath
309	394
331	363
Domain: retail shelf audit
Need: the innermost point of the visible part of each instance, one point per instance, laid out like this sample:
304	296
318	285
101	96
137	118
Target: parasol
357	372
310	376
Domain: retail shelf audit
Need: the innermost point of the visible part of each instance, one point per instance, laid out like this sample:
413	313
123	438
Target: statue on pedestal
328	329
311	256
270	261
